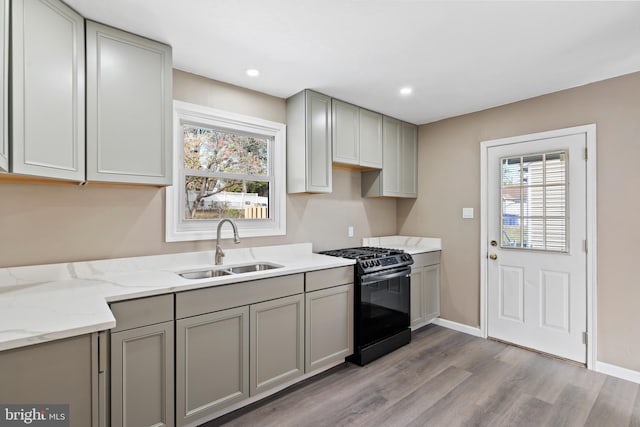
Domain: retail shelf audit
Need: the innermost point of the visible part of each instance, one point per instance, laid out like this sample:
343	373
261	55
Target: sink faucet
236	239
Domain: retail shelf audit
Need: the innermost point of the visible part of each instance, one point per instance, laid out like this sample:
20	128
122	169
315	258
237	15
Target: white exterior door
536	234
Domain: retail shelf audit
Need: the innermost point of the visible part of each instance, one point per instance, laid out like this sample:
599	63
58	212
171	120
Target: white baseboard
617	371
476	332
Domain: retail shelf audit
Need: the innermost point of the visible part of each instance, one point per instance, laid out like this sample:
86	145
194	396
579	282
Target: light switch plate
467	213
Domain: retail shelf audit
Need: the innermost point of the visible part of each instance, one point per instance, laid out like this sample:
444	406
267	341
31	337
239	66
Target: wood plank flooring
447	378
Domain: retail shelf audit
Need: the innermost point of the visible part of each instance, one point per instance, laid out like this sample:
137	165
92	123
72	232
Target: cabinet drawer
327	278
217	298
426	258
142	312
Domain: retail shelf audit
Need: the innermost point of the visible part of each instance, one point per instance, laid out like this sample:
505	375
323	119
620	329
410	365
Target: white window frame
176	229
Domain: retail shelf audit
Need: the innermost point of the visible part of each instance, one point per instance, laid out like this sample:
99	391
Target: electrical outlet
350	231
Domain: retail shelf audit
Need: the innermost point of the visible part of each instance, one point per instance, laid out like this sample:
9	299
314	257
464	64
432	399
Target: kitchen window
226	165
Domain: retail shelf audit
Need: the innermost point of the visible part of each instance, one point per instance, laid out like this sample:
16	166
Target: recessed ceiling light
252	72
406	91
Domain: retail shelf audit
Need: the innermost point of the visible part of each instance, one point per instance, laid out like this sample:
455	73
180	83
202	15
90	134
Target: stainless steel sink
203	274
239	269
227	271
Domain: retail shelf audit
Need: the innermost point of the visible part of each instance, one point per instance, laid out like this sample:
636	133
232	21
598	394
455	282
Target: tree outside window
226	175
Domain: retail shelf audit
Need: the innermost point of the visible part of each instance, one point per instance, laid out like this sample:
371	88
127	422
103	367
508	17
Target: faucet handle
219	255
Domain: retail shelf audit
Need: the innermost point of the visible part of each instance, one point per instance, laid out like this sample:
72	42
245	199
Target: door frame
590	133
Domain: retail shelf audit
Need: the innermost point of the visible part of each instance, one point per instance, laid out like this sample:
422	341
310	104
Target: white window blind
534	202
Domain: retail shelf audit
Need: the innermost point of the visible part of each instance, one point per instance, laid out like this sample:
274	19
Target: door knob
493	257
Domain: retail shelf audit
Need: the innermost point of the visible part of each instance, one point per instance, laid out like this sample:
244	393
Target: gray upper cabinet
4	86
309	143
408	160
398	177
346	133
391	157
48	134
357	136
129	110
370	139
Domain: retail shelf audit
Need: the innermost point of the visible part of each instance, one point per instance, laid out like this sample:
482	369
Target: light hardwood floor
447	378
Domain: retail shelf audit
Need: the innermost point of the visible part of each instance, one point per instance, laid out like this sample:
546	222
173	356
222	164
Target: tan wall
449	179
42	224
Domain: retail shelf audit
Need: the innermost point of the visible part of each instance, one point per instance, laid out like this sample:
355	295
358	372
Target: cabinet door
391	135
48	90
4	86
277	340
55	372
142	386
408	160
329	326
318	142
212	363
346	133
370	139
128	108
417	296
431	282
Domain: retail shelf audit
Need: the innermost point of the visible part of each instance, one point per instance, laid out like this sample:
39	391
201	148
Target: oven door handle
378	277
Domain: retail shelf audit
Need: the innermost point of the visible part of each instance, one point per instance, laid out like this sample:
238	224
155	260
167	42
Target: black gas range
382	300
371	259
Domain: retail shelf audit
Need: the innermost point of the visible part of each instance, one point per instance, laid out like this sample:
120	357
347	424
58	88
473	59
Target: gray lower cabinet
4	86
417	296
142	376
234	341
212	363
57	372
142	362
129	108
329	326
48	90
328	317
425	288
276	342
226	356
432	292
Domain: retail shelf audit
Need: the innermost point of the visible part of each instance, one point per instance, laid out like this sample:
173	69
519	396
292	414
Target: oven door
382	305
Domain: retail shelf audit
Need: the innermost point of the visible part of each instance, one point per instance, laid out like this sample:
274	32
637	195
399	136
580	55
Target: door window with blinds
534	192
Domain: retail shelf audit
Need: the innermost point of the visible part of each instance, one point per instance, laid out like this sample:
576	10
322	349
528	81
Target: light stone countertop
409	244
48	302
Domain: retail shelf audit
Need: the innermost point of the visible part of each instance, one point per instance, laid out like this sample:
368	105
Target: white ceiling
458	56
